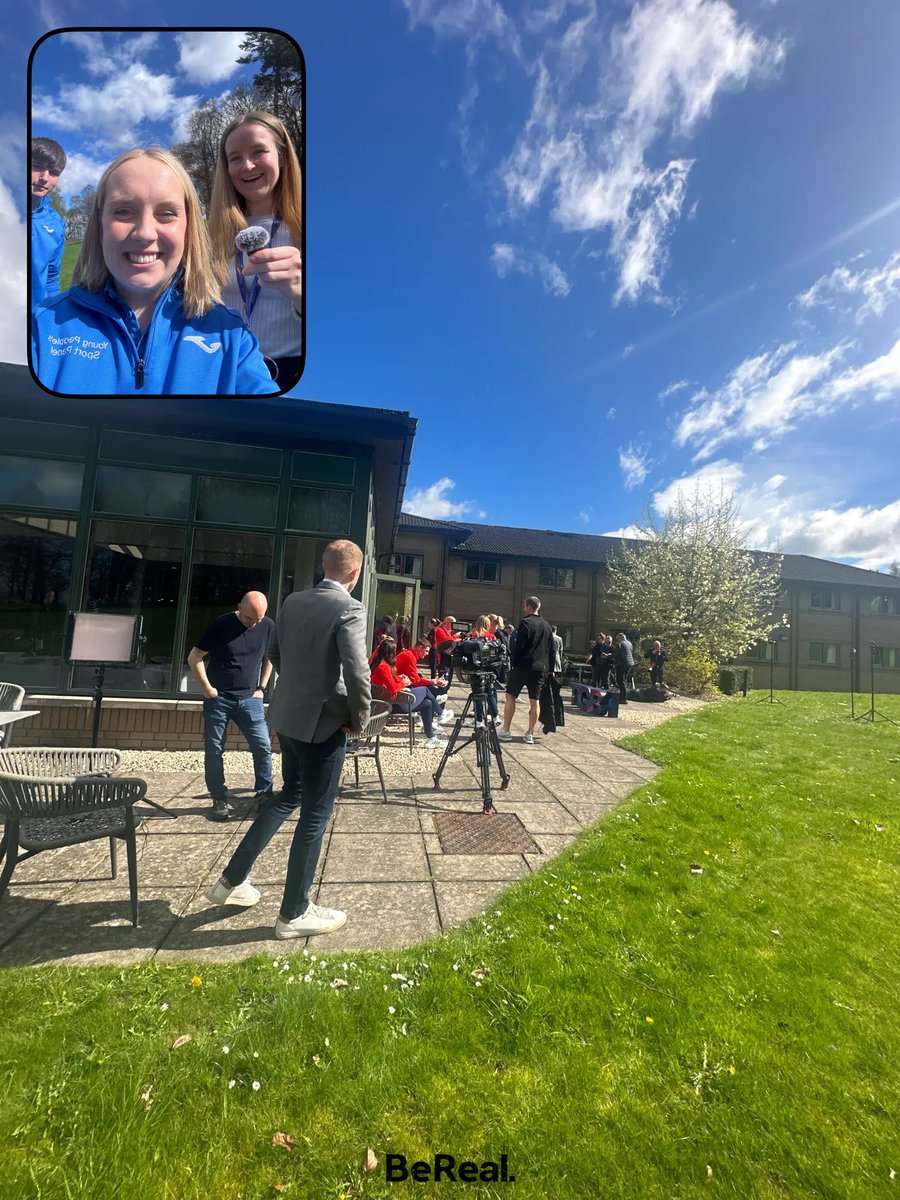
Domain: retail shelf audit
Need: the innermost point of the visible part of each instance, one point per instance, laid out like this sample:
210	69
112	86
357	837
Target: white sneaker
528	739
446	715
316	919
432	742
504	735
245	894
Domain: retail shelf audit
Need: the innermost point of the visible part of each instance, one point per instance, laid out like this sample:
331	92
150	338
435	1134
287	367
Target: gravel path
395	757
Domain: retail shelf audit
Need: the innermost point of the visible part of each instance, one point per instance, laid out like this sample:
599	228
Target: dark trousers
311	772
623	681
250	719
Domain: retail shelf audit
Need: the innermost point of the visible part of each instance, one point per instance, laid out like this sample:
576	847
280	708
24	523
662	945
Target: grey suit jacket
319	651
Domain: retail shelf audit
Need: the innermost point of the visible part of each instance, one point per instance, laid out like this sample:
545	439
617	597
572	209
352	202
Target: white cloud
769	394
634	465
678	386
795	522
104	56
114	110
12	280
473	19
861	294
80	171
611	413
585	516
209	56
434	501
506	259
657	76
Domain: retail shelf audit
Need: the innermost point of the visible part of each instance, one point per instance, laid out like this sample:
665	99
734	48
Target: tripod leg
449	749
497	750
484	761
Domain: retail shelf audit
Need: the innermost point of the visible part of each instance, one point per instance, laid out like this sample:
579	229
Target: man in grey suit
323	691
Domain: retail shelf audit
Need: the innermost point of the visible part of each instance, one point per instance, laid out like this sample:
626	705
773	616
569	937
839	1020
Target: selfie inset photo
167	205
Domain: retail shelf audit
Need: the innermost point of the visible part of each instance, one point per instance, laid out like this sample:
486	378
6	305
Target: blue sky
599	250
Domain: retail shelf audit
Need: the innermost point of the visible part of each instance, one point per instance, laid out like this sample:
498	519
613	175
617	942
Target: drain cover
475	833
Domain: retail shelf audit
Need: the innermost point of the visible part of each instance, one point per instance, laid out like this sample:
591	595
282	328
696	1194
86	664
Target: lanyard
250	303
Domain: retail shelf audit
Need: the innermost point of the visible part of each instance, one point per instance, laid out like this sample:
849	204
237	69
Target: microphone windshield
252	238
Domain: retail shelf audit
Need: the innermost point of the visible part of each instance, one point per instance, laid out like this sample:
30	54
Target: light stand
852	681
771	698
873	712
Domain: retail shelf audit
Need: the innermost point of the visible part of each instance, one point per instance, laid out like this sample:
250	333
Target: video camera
478	656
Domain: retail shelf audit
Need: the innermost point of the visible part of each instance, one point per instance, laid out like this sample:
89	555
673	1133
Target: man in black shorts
531	659
234	682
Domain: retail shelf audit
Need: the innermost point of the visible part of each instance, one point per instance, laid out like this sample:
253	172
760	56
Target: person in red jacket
384	674
408	665
443	636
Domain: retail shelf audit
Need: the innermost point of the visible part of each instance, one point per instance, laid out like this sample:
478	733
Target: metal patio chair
73	800
368	743
404	698
11	697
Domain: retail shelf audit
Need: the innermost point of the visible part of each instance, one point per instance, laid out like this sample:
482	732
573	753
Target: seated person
143	316
384	675
408	665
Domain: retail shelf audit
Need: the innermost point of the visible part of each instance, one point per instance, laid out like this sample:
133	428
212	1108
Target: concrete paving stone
88	927
544	818
445	867
65	865
459	901
385	818
165	785
24	903
375	857
588	812
165	862
270	869
432	840
379	916
459	802
223	933
525	788
551	844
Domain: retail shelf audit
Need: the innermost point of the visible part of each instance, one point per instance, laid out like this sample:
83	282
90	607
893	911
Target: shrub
692	673
731	679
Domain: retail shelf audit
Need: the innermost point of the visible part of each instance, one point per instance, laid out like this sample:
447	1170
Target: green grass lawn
70	253
620	1025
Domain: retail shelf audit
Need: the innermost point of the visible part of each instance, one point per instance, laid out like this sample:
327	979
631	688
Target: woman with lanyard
258	183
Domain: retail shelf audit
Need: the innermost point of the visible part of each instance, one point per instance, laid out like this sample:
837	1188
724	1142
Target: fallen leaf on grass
280	1187
480	972
708	1171
147	1097
369	1160
182	1041
283	1139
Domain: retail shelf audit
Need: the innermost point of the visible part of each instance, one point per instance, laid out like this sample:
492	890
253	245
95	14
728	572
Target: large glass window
302	564
136	568
763	652
885	656
142	493
40	482
824	598
224	566
35	576
320	510
481	571
406	564
885	604
237	502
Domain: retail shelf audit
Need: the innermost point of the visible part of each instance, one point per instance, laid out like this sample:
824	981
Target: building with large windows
839	617
171	510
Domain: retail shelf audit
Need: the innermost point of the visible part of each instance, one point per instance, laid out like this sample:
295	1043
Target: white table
17	714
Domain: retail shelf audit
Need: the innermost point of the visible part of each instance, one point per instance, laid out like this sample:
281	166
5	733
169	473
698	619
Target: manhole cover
475	833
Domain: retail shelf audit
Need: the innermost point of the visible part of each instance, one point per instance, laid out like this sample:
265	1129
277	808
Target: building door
397	596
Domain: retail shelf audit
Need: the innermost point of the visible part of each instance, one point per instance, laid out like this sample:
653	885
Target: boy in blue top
48	229
143	316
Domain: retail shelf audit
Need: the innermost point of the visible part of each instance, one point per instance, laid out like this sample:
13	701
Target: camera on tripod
479	657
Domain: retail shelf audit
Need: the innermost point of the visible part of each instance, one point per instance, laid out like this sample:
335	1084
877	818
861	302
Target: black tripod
873	712
771	698
482	703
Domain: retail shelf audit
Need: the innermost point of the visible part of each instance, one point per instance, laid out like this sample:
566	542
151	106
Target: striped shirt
273	319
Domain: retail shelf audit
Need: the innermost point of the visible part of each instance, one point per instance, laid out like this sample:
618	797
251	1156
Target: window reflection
136	568
302	564
224	566
142	493
39	482
35	575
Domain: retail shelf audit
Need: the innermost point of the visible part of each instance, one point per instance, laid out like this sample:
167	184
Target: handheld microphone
254	237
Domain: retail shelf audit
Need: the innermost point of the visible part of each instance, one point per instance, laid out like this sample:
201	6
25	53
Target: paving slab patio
383	863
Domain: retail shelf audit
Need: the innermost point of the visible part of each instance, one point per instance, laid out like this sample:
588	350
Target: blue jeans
311	773
248	715
424	705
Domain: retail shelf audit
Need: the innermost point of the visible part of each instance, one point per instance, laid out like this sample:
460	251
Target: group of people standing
162	302
614	659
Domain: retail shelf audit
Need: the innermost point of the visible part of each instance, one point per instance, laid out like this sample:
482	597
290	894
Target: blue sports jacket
90	344
48	240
